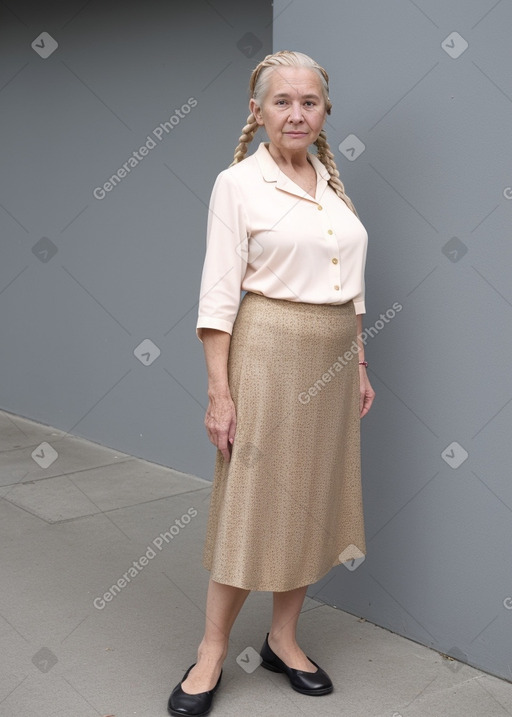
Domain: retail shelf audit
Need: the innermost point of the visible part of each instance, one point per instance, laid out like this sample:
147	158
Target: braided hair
258	86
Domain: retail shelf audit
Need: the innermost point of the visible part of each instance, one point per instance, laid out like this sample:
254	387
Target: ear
256	111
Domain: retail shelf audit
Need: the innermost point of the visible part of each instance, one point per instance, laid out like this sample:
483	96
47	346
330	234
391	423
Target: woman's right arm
220	419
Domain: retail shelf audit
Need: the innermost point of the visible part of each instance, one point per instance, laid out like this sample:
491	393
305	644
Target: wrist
363	363
217	391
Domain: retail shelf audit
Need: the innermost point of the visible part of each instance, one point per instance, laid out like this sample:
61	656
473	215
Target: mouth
296	134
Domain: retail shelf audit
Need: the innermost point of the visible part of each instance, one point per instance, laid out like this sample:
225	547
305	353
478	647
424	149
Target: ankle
278	638
212	651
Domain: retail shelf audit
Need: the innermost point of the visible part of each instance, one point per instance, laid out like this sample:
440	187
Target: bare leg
282	637
223	603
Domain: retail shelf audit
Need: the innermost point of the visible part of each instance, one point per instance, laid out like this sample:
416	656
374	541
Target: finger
232	431
212	435
367	403
224	447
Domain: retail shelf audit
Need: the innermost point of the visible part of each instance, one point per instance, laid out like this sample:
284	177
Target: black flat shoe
307	683
181	703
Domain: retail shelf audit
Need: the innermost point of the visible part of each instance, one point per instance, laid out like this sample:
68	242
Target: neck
296	160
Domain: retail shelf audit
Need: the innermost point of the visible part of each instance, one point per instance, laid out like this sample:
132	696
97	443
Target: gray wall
84	280
433	187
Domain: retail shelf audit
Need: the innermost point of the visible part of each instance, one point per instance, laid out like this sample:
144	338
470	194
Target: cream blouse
268	236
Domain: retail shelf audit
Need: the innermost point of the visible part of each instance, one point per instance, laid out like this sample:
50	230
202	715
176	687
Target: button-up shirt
267	235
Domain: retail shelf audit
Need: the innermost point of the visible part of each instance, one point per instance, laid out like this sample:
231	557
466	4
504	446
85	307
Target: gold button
336	287
319	207
330	231
334	261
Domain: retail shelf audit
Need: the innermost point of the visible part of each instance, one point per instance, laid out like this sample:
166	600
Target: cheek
276	118
316	119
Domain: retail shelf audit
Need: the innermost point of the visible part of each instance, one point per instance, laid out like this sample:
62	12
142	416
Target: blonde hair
258	86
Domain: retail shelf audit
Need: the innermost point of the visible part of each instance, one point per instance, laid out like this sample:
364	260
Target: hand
366	392
220	422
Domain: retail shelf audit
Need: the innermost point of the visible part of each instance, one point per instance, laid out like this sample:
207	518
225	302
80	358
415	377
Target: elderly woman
287	382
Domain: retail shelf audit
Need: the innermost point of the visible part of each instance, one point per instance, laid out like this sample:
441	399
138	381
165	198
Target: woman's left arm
366	392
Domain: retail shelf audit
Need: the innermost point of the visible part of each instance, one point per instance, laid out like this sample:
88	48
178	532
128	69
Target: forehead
295	81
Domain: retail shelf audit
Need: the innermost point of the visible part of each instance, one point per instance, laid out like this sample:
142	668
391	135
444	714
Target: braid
326	156
247	136
258	85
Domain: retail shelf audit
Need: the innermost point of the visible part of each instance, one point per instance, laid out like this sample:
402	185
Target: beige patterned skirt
288	507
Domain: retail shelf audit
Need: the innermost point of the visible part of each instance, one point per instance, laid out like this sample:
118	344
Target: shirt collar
271	172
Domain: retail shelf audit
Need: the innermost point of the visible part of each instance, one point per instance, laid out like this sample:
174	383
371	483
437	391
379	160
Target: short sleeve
225	261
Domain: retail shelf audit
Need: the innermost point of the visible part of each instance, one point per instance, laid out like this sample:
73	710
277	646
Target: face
293	110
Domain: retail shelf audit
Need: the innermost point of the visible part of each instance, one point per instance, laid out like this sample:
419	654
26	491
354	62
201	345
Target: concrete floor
75	517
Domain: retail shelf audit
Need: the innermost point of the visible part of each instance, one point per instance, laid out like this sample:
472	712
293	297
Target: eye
309	103
281	102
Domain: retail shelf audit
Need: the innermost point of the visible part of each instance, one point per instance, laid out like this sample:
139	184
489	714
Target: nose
296	112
